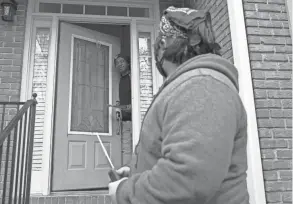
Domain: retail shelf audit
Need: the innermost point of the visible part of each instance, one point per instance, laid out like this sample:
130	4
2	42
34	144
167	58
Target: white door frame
242	62
41	180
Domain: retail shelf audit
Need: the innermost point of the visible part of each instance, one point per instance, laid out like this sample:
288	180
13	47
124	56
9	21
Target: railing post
13	174
30	148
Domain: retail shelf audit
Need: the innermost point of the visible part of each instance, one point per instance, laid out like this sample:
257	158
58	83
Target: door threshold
81	192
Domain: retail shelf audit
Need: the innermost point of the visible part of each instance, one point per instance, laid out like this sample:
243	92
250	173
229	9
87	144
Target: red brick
266	23
285	175
273	186
257	65
272	143
268	154
277	164
264	7
284	154
269	40
6	50
270	103
265	133
262	113
287	197
278	113
271	123
267	31
288	123
278	75
270	175
273	197
276	57
258	74
260	94
265	15
266	84
287	103
279	93
5	62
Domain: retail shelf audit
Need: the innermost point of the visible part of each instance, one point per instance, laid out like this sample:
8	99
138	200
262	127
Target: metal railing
16	150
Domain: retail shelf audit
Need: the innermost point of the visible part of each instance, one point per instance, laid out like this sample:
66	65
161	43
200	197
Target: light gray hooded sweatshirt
192	147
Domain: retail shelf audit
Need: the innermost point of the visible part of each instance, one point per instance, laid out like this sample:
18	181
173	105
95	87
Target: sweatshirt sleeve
198	129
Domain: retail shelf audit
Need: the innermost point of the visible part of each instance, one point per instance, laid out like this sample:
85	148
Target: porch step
71	199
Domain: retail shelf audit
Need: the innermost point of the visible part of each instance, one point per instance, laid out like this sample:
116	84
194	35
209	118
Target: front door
86	84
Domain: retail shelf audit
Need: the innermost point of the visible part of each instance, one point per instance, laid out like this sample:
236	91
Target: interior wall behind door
120	31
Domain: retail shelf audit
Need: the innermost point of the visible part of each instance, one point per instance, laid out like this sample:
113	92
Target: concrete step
71	199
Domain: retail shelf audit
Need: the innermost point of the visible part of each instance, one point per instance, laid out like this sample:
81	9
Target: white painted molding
242	62
289	11
135	92
49	111
24	92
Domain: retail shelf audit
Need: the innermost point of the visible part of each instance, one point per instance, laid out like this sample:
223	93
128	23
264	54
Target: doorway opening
88	96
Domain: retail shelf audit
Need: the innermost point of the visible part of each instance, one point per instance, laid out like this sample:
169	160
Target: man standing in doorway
122	63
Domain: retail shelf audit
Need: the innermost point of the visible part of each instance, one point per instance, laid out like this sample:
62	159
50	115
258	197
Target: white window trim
242	62
289	11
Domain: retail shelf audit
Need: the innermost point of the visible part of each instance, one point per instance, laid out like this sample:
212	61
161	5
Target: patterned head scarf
194	25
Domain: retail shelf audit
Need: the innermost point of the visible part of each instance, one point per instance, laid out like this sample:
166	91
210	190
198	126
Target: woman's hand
123	171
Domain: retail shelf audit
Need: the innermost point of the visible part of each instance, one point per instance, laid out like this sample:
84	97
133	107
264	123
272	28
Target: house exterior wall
270	49
11	49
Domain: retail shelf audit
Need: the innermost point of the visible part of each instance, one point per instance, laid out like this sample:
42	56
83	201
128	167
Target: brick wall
11	49
220	22
270	48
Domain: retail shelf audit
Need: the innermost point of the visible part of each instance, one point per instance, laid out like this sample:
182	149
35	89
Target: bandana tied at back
194	25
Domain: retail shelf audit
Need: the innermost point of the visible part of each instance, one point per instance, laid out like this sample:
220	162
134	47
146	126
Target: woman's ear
162	47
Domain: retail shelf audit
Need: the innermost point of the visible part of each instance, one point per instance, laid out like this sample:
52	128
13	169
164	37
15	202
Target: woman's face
122	65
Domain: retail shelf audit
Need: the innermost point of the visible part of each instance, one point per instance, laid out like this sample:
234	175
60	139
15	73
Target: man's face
122	65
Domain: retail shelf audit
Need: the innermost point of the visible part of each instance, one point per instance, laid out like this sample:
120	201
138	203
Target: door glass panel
145	70
90	87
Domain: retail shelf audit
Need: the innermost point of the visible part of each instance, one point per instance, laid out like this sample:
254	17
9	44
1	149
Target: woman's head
184	33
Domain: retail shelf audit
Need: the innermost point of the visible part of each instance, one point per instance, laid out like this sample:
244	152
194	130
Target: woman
192	147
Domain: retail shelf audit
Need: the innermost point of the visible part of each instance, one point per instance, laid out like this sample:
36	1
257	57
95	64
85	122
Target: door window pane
90	87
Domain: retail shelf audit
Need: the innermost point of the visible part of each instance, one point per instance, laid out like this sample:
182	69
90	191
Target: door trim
255	179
